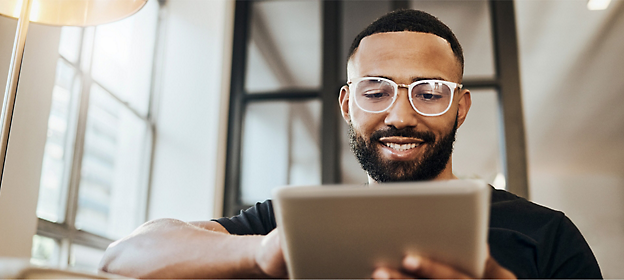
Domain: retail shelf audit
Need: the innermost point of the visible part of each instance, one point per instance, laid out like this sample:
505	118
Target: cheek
366	123
442	125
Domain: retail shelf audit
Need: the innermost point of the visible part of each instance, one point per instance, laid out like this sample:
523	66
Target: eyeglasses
428	97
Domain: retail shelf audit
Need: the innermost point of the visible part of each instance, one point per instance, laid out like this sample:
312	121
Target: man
403	102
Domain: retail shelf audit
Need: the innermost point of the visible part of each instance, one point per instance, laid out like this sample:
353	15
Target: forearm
174	249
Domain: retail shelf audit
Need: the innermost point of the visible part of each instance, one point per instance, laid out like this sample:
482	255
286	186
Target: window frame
506	82
65	233
239	99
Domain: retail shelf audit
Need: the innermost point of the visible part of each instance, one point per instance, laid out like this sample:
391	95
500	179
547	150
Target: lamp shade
73	12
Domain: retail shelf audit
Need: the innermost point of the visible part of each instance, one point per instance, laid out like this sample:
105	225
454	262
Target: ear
343	100
465	101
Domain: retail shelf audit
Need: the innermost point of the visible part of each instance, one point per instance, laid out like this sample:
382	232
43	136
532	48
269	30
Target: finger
388	273
493	270
427	268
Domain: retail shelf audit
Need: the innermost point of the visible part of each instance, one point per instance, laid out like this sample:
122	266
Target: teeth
401	147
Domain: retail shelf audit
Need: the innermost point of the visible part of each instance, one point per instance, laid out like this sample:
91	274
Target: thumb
493	270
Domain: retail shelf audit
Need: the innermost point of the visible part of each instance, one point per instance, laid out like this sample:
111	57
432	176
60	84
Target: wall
571	67
193	91
594	203
20	185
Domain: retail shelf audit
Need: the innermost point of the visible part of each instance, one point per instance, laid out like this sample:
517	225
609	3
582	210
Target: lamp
50	12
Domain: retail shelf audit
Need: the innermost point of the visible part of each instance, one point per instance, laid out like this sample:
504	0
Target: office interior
194	109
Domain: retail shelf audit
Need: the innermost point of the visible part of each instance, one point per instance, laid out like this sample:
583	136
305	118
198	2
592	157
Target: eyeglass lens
376	95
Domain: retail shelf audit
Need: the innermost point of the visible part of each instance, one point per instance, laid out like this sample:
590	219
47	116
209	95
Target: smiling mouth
400	143
401	147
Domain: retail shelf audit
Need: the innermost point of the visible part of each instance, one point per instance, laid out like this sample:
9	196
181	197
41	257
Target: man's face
399	144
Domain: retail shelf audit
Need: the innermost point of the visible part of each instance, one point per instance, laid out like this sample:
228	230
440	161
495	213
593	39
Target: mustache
426	136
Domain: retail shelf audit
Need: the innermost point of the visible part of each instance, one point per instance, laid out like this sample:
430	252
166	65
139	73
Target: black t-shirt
530	240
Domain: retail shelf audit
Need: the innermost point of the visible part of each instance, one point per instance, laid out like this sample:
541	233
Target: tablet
346	231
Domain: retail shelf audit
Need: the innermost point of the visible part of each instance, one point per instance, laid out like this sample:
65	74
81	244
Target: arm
170	248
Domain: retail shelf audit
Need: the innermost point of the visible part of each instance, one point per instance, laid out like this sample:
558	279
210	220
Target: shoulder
513	217
537	241
516	213
257	219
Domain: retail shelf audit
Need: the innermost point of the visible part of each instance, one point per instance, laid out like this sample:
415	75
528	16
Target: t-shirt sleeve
257	219
572	256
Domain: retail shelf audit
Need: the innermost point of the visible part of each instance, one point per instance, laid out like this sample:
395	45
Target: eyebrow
414	79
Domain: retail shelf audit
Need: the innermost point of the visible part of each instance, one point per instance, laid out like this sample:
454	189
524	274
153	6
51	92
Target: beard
427	167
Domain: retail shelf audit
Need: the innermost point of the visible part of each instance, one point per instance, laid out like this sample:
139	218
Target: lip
396	155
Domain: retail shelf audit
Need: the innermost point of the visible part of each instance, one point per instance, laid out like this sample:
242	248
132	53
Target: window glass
357	15
69	46
45	251
477	152
111	196
57	156
122	56
85	258
284	48
281	146
108	67
470	21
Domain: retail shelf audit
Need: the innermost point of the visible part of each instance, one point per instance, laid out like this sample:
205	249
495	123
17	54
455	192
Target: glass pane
45	251
111	197
357	15
477	152
69	46
87	48
470	21
57	156
123	53
281	146
284	48
85	258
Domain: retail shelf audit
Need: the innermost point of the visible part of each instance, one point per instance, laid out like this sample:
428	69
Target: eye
375	94
428	96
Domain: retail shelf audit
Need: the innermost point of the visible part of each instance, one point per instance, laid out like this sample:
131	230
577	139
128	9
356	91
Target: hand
414	266
270	258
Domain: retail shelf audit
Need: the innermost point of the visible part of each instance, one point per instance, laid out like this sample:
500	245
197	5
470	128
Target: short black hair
411	20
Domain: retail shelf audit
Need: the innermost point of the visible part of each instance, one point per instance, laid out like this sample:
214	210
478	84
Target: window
269	96
281	129
94	180
282	101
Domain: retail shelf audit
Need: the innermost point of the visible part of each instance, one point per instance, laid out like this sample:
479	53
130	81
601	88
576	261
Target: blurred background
195	109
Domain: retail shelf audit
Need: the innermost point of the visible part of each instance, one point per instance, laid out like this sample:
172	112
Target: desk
15	268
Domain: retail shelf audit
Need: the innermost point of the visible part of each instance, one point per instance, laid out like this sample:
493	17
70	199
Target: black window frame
506	82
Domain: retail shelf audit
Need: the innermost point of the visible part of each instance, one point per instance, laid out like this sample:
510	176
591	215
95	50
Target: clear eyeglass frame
453	86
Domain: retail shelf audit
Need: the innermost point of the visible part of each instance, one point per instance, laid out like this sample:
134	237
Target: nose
401	114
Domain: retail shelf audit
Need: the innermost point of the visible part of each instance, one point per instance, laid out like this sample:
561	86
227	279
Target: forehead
404	56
